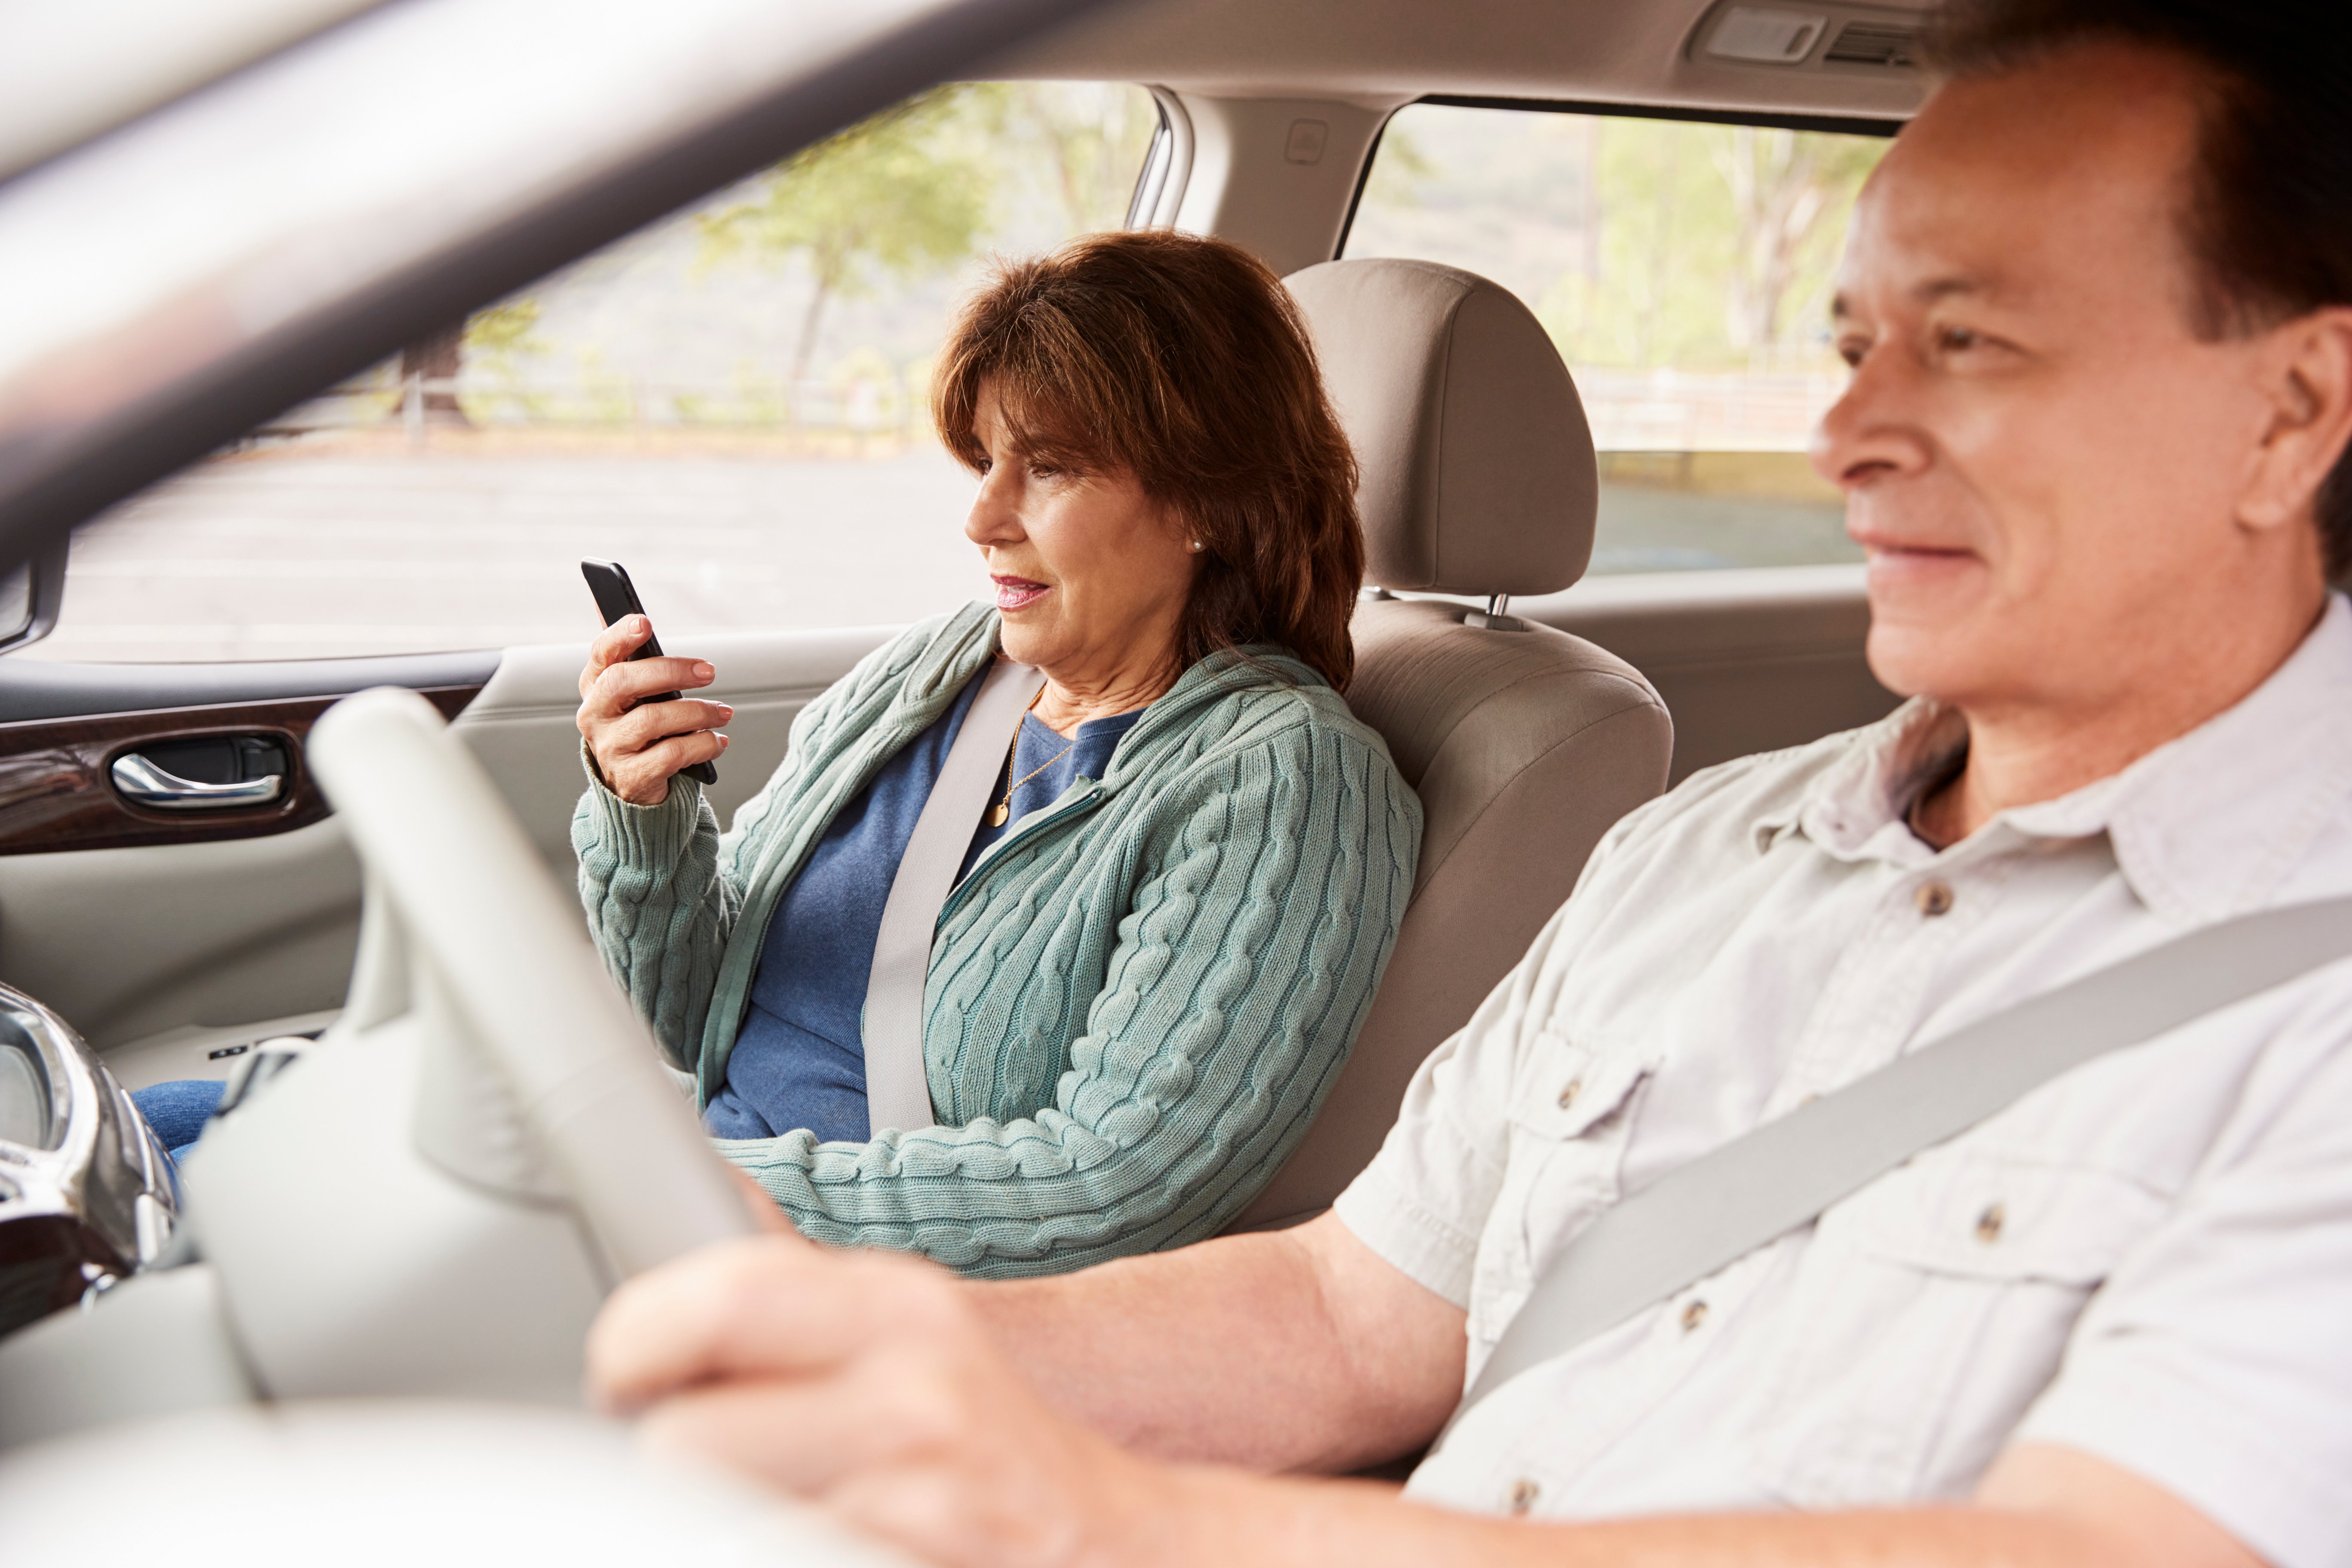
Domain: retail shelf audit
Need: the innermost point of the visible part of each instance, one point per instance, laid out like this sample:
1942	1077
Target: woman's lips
1016	592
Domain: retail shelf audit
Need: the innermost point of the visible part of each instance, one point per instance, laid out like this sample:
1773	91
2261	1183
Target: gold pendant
997	814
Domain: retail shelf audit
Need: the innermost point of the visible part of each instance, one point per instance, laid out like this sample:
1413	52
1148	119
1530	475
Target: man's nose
1871	432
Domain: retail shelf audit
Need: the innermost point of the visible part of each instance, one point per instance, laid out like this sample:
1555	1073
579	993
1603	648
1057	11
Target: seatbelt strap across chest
1707	1215
898	1089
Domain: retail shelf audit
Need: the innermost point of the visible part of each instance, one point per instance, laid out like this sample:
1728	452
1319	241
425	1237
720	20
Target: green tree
1400	169
900	194
497	338
1094	135
1783	185
504	332
1704	240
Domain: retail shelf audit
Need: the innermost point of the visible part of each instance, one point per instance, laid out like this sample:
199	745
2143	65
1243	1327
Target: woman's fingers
617	687
612	645
643	727
638	745
642	777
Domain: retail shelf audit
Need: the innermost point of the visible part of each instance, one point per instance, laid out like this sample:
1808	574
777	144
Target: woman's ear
2309	382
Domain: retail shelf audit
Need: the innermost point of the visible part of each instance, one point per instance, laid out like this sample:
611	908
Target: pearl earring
1196	547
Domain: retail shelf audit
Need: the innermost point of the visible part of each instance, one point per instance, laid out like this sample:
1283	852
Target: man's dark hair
2268	222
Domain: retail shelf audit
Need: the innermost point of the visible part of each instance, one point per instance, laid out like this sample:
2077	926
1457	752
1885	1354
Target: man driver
2098	305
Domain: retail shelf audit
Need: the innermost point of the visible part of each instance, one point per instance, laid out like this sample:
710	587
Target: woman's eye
1957	340
1852	349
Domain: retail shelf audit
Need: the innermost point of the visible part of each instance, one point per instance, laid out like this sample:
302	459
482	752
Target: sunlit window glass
732	402
1684	271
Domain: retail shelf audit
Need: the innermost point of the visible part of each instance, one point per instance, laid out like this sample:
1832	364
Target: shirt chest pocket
1571	1118
2000	1220
1930	1312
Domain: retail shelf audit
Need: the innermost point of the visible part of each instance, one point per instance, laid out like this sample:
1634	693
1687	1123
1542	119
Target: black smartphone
617	597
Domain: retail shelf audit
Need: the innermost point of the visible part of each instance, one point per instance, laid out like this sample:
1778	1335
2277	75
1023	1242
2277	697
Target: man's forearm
1233	1351
1248	1522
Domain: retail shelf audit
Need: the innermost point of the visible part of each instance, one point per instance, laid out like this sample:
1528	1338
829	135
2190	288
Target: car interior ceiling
146	951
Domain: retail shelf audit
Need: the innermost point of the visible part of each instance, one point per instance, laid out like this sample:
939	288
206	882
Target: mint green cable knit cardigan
1136	999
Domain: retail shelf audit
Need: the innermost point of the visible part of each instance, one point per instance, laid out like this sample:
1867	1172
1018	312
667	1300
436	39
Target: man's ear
2310	385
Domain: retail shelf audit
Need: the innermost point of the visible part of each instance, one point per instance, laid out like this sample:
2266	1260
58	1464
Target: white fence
1631	411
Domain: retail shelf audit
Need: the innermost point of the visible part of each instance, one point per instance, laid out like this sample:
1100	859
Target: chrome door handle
146	784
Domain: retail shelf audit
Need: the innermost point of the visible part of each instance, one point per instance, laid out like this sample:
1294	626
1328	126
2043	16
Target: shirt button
1934	897
1523	1493
1569	1092
1693	1316
1988	1225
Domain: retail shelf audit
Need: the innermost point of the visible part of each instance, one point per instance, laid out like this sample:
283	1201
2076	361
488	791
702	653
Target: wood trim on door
54	792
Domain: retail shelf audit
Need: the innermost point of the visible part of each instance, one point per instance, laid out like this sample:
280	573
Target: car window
1683	269
730	402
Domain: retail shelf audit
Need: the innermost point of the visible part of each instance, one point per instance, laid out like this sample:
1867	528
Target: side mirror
29	597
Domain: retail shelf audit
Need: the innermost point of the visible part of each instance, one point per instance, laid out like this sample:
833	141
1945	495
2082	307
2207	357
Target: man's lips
1890	563
1017	592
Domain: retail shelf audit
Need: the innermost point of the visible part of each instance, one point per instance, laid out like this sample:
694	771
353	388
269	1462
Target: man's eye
1852	351
1957	340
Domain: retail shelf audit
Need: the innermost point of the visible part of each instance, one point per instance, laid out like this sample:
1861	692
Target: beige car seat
1523	742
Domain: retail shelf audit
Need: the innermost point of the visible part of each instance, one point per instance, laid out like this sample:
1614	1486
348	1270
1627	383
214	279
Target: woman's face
1090	573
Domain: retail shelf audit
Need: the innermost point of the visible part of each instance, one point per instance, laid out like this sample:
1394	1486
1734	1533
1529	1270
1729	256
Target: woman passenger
1174	908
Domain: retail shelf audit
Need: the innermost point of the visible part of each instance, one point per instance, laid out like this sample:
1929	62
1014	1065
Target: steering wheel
440	846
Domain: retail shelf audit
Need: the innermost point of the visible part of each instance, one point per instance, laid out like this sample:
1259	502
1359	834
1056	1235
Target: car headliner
1381	53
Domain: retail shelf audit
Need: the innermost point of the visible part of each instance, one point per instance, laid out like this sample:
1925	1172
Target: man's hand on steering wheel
638	747
866	1381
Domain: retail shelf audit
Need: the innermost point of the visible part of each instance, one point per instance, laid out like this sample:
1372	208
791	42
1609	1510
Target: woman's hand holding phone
637	748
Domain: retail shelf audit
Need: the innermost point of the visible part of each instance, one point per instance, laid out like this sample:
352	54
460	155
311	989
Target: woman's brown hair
1183	362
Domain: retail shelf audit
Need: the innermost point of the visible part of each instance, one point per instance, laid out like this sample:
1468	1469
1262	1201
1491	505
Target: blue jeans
178	1110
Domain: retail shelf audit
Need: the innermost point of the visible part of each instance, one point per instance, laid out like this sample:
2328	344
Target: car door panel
1748	662
34	689
522	725
130	944
59	788
164	954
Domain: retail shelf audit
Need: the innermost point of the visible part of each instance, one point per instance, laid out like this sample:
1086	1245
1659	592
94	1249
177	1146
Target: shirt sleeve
1423	1201
2216	1359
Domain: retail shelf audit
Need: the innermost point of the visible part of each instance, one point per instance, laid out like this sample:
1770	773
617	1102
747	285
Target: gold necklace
1003	808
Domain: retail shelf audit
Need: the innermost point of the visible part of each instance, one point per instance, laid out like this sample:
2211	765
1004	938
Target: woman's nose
993	519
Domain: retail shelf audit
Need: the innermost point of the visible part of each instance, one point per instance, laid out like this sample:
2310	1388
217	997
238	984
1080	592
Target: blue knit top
800	1060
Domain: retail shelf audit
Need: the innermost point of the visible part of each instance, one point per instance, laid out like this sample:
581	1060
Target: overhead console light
1766	37
1836	39
1871	43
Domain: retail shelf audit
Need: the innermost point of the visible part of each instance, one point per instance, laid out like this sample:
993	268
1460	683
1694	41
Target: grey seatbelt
898	1090
1703	1216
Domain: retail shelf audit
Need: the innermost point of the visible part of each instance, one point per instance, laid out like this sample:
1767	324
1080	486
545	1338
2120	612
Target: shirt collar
2205	826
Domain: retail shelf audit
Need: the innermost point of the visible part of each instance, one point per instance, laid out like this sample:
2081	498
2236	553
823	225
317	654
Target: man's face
2041	460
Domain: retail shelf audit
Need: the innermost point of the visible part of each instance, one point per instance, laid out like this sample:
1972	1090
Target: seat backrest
1525	744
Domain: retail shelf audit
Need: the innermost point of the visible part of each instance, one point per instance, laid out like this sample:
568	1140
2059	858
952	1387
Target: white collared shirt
2149	1259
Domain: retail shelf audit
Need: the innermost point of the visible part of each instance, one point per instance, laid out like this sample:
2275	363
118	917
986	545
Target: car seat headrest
1477	466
